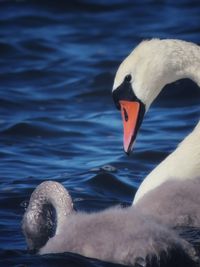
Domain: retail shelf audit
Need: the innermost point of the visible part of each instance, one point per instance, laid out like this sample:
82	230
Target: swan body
120	235
175	203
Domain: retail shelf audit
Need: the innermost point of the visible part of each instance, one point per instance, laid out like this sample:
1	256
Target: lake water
57	119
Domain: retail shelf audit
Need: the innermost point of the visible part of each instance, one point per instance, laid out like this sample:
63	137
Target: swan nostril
125	114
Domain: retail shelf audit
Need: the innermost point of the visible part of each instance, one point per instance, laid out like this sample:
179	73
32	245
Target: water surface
57	118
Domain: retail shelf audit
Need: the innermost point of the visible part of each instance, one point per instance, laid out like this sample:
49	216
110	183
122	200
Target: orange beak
130	114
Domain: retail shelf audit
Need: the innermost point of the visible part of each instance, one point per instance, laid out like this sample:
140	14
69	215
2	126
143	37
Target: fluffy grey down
120	235
174	203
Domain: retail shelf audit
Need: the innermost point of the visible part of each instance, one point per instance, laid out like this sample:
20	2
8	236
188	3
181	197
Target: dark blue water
57	119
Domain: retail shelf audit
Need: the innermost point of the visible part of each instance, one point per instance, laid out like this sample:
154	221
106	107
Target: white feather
152	65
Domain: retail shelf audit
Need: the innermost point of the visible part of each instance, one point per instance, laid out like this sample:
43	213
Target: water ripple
57	118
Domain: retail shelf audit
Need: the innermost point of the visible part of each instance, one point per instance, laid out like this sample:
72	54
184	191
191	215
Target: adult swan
137	235
139	79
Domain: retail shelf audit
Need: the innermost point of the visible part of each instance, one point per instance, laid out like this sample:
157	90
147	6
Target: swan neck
182	164
58	196
188	63
194	73
38	220
168	61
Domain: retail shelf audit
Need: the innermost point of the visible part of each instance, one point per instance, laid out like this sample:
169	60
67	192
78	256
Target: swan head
48	208
141	77
38	226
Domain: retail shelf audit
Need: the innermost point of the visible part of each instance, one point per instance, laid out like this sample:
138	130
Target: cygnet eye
127	78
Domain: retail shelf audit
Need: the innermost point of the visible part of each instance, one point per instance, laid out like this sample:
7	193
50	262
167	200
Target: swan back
175	203
122	235
48	207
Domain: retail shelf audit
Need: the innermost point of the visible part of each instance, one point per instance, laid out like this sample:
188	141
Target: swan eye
127	78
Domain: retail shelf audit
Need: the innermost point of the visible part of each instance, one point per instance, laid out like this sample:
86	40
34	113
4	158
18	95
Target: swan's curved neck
192	70
165	61
37	221
182	60
184	162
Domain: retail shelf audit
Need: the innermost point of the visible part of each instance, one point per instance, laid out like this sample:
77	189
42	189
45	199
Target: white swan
116	235
143	233
139	79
